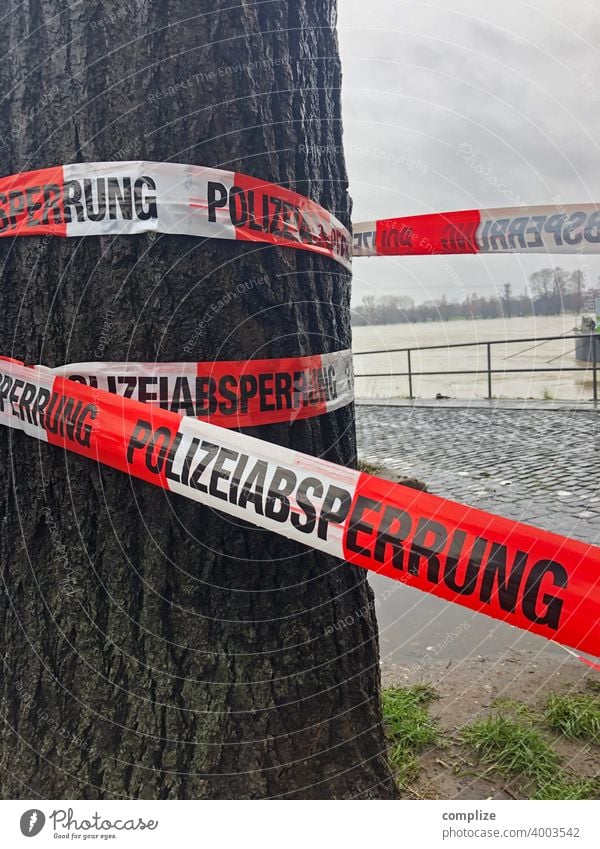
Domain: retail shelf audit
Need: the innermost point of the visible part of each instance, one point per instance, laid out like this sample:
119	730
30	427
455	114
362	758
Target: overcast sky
519	82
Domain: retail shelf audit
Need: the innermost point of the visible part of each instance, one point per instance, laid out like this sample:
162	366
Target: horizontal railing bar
484	371
473	344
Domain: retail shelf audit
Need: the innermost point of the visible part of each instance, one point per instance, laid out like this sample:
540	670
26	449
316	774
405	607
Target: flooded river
559	385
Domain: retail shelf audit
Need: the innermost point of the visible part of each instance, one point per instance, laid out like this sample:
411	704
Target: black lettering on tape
531	594
139	438
217	199
427	549
254	487
219	472
211	452
336	506
52	204
394	529
238	207
306	520
277	503
357	525
495	573
248	389
145	204
73	207
466	583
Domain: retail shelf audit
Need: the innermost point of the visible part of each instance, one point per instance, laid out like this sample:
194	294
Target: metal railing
489	371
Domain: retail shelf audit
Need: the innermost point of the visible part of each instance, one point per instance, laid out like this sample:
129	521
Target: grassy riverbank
519	727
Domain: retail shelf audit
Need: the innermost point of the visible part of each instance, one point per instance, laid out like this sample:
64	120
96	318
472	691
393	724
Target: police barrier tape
110	198
527	577
230	393
539	229
530	578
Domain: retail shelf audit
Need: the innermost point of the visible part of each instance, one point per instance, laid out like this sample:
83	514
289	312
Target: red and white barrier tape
538	229
522	575
527	577
110	198
230	393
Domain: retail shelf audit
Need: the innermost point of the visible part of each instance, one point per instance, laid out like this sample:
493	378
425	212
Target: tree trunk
153	648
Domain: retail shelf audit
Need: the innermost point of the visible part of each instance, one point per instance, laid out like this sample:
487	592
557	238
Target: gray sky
517	81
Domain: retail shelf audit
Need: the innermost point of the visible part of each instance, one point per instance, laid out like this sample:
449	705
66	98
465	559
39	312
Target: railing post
594	364
489	369
410	386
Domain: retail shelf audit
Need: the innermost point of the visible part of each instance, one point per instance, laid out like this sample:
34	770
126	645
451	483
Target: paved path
539	465
536	465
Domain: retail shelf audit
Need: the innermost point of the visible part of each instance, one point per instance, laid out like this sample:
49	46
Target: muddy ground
466	691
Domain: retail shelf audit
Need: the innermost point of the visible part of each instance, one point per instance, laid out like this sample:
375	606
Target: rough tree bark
152	648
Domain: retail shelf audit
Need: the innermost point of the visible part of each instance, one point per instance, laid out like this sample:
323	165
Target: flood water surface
560	354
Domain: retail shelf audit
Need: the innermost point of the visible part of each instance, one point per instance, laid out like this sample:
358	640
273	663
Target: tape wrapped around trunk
527	577
112	198
236	393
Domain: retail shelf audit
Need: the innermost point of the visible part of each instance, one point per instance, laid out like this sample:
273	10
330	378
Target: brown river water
559	385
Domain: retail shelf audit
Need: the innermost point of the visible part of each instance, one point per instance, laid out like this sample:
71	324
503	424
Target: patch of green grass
408	727
562	788
575	716
515	748
547	395
368	468
512	748
514	707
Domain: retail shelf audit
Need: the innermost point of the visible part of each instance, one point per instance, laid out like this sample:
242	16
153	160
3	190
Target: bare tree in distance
507	299
577	284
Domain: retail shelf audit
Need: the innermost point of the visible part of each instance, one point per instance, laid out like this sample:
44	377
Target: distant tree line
552	291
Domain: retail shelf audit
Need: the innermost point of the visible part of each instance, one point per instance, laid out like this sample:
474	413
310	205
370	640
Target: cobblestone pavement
535	465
